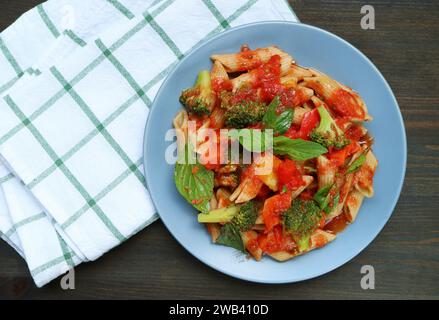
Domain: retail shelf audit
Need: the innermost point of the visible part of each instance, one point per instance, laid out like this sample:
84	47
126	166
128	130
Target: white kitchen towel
41	33
46	34
74	134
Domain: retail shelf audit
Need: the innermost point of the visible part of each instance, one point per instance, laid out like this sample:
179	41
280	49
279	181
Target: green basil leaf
322	197
230	237
283	121
270	116
297	149
253	140
279	123
195	184
357	163
335	201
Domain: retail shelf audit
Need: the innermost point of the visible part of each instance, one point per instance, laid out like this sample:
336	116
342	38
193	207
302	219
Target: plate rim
401	126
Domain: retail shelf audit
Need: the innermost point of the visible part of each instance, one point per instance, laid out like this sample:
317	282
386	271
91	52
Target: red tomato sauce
365	176
290	97
338	224
273	208
252	245
248	94
354	132
276	241
219	85
213	161
289	176
309	122
338	157
345	104
268	78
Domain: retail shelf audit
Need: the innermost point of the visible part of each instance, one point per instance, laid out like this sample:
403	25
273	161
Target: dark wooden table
405	47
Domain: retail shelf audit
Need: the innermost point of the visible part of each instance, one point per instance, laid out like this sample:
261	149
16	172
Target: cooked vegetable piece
297	149
200	99
289	176
221	215
322	197
195	184
230	180
357	163
231	237
273	209
240	114
301	220
328	133
245	219
280	123
271	179
276	240
242	216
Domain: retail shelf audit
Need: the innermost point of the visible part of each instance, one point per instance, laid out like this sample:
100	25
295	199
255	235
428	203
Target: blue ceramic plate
311	47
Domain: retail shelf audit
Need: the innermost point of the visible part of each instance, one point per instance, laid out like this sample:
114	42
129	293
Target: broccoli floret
230	180
301	220
246	217
244	114
328	133
221	215
200	99
241	112
243	216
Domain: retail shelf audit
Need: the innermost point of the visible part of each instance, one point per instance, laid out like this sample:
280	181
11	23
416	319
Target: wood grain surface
405	255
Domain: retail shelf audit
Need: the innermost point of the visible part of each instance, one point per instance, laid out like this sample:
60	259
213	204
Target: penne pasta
180	120
343	193
308	180
306	93
181	128
248	238
247	60
353	204
217	118
213	203
364	176
248	188
214	229
325	172
218	72
321	238
294	75
245	79
222	196
341	99
282	256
